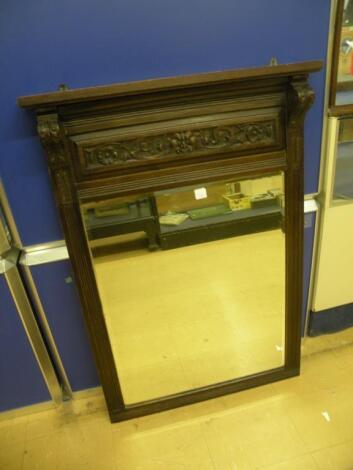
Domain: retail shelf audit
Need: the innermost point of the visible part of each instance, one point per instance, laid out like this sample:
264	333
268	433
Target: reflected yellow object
237	201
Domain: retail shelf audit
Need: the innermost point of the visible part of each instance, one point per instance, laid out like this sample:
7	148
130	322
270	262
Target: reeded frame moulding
155	134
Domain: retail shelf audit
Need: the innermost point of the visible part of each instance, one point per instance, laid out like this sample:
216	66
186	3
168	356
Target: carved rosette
53	141
176	144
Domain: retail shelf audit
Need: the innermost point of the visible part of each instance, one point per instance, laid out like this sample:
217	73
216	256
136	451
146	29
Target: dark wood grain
341	110
206	393
209	127
345	86
161	84
196	173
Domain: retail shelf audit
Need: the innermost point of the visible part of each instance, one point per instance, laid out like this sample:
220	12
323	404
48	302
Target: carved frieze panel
183	143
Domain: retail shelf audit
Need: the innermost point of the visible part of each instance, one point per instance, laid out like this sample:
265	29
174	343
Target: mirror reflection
344	91
192	283
343	175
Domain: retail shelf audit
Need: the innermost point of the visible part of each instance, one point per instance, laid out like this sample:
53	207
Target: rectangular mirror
192	283
181	201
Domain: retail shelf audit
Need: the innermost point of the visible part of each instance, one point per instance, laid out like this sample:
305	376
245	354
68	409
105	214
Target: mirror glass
343	174
344	90
192	283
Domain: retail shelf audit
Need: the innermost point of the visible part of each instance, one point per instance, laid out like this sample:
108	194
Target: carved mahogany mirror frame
146	136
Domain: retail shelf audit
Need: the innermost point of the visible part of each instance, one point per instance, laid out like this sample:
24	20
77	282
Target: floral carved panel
182	143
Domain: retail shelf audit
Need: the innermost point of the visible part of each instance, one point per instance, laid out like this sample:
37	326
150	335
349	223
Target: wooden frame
145	136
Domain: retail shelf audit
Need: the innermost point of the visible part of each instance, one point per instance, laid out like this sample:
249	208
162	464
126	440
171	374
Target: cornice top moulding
250	75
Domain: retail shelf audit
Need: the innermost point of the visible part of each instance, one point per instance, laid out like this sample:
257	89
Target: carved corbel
52	137
300	99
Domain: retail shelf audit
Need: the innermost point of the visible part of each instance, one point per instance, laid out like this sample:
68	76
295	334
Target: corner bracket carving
52	137
300	99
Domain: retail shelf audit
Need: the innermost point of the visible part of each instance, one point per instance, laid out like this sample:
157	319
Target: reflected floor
189	317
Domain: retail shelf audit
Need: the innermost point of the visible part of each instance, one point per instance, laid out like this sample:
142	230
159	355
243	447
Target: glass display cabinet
181	201
333	273
341	89
343	165
333	286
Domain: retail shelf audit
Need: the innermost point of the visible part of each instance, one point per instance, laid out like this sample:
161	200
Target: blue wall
66	322
91	42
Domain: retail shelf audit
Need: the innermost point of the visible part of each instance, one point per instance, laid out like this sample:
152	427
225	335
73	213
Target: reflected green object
173	219
205	212
106	211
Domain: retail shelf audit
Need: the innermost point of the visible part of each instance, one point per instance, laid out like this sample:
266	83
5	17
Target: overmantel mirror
181	201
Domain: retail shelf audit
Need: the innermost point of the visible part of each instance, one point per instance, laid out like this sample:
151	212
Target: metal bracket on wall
8	268
311	205
34	256
45	352
44	253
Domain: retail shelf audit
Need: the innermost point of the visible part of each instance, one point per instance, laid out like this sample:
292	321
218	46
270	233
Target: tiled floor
303	423
194	316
